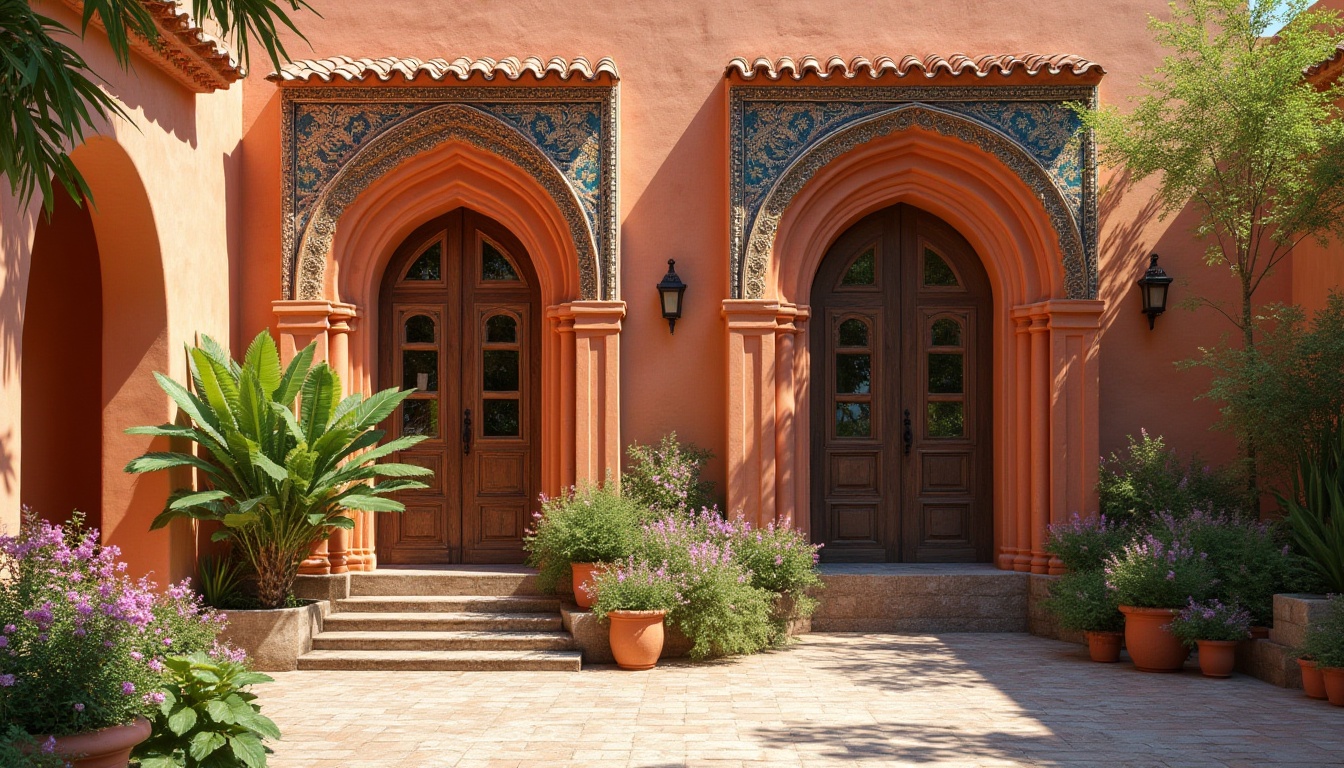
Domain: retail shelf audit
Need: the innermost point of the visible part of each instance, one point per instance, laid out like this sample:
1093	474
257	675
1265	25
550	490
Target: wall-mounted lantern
1153	287
669	295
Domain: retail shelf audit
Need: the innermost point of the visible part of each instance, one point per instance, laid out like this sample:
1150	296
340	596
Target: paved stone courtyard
865	699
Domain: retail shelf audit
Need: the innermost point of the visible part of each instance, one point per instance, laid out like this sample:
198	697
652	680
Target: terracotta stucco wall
166	240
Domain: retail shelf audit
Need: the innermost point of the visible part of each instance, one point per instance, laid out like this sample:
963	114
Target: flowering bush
592	524
781	560
1083	544
1152	573
1211	620
18	749
635	585
1082	603
666	477
1148	478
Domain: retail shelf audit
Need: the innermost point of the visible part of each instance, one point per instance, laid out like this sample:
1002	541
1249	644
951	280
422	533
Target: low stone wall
1293	613
915	598
1040	621
1274	660
590	636
275	639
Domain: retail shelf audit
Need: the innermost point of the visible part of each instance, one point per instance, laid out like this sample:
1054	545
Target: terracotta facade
689	131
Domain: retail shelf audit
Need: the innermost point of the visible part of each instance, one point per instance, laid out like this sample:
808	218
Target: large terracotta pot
1313	682
107	748
1217	658
636	638
580	574
1334	685
1151	644
1104	646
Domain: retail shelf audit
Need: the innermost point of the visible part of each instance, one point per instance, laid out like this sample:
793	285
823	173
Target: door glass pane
945	373
853	374
946	419
500	370
853	420
501	329
420	417
429	266
936	271
494	265
500	418
863	270
946	333
853	333
420	330
420	370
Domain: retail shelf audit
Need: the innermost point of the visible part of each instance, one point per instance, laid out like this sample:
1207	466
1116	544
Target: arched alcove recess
1045	370
580	355
135	345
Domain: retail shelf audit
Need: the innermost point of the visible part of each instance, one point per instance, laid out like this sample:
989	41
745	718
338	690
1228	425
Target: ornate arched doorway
460	323
901	407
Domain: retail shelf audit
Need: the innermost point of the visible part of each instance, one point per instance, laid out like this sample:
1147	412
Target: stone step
447	604
442	622
443	661
442	641
496	581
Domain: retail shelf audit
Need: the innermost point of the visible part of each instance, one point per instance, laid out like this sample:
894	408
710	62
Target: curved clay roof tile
410	69
957	65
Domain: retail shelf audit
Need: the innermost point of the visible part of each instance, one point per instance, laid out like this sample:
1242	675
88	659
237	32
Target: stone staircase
459	619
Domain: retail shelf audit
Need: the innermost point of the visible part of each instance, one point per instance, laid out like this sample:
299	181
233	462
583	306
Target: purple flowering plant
1211	620
634	585
1152	573
666	477
82	644
1084	543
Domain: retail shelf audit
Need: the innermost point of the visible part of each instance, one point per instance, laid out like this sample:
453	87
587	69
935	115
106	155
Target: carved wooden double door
901	376
459	323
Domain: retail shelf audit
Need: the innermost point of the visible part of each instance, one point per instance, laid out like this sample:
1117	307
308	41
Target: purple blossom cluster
1211	620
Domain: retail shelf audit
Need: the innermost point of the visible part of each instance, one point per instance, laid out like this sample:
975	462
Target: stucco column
1016	554
591	329
751	408
1040	442
338	546
1075	414
788	378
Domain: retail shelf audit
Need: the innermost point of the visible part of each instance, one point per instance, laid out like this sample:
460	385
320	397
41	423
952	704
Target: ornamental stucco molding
336	141
781	136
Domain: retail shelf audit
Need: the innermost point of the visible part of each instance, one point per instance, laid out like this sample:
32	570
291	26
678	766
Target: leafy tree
1236	131
50	98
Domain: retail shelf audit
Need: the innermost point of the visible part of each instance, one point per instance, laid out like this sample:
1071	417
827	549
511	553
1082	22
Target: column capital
303	315
752	314
594	317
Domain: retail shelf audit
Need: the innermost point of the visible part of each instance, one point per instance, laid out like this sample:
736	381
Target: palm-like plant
1315	508
281	475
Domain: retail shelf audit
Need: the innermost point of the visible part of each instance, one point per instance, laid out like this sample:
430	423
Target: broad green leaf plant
283	458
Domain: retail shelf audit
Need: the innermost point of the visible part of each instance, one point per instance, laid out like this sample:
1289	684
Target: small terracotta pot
1217	658
107	748
1104	646
636	638
1148	637
582	573
1313	682
1259	633
1334	685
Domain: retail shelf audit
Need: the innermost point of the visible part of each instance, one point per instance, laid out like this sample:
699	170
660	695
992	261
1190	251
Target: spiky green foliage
1315	508
283	457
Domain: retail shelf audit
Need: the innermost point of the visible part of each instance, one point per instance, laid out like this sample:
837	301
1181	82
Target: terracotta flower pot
636	638
1313	682
582	573
1217	658
1149	640
1334	685
1104	646
107	748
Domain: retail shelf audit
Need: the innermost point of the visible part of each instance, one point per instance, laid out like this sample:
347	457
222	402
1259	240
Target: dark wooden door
901	377
460	323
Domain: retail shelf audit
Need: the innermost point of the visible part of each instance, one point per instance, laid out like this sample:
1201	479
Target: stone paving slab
971	700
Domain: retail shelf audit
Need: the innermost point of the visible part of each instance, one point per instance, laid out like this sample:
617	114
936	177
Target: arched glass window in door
853	379
501	363
946	381
420	372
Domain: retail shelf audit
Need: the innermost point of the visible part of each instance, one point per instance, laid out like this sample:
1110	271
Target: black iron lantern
1153	287
669	295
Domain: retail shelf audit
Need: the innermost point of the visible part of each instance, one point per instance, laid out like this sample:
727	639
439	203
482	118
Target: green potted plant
634	598
1215	628
1081	602
579	531
1324	643
1151	580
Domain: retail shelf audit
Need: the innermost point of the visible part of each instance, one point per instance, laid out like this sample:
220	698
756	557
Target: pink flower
6	681
128	688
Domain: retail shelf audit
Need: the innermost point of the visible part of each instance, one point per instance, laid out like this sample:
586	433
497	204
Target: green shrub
780	560
205	718
634	585
1147	478
220	581
591	524
1211	620
1084	543
1324	641
20	750
1152	573
666	477
1081	602
1315	508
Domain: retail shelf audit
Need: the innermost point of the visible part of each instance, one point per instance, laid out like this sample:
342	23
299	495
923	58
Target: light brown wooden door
460	323
901	377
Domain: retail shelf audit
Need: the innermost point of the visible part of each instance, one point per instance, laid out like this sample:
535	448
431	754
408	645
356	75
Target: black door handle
466	431
907	435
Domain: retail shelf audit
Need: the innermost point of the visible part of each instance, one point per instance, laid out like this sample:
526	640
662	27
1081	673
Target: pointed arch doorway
901	403
460	321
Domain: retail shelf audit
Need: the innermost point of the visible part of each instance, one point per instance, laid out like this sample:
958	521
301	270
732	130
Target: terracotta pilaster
588	437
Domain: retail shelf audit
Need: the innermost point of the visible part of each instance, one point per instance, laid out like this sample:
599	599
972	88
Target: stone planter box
1273	660
1293	613
275	639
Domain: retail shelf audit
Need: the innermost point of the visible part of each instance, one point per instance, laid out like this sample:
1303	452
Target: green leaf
155	461
219	712
276	471
195	499
182	719
262	725
158	761
169	701
264	359
317	400
248	748
240	520
205	742
205	676
294	376
244	679
371	504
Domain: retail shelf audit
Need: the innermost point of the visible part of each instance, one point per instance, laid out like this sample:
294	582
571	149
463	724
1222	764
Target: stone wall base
915	598
1040	621
275	639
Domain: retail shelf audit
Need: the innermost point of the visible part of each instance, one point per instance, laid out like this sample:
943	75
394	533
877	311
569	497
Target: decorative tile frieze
781	135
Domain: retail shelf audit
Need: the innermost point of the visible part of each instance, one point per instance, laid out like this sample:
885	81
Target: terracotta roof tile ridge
352	70
188	53
929	67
